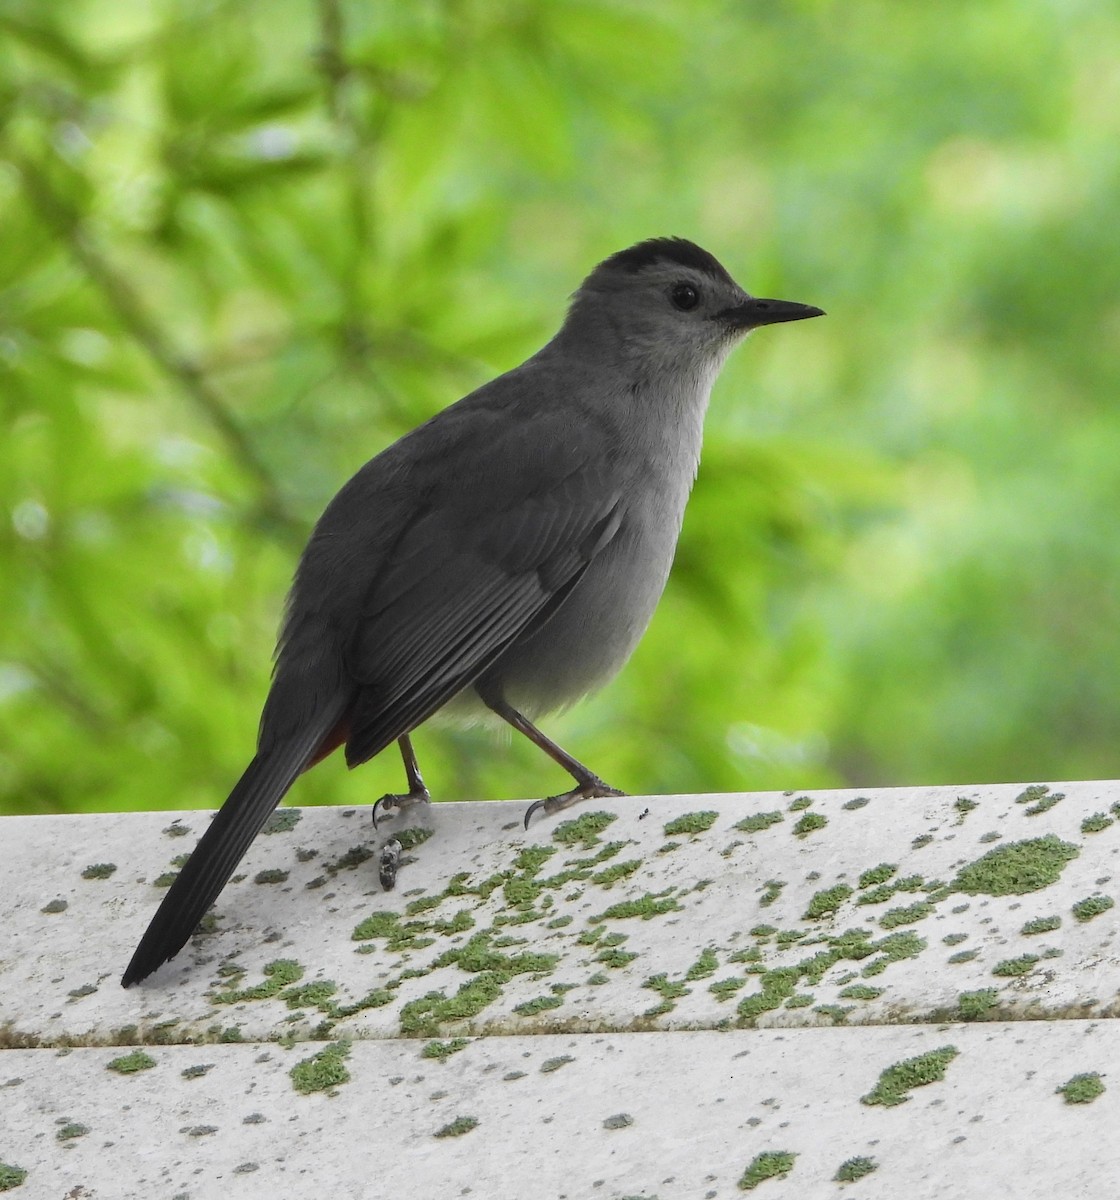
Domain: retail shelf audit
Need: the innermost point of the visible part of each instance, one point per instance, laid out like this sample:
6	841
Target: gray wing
478	568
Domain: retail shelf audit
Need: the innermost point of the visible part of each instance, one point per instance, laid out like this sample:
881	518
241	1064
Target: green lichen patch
809	823
860	991
583	831
424	1016
801	803
895	917
417	835
923	839
1096	823
457	1127
129	1064
273	875
893	948
618	1121
1039	799
1041	925
165	880
837	1012
11	1176
197	1071
704	966
770	1164
554	1064
99	871
540	1004
322	1071
757	822
1082	1089
725	989
826	902
962	956
283	820
693	823
71	1130
954	939
279	974
770	892
975	1006
1017	868
856	802
1014	967
652	904
615	872
802	1000
852	1169
351	860
877	874
775	988
897	1080
876	895
1092	906
442	1051
963	806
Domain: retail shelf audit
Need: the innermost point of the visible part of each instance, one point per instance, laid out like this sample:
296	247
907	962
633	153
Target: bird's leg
588	785
393	802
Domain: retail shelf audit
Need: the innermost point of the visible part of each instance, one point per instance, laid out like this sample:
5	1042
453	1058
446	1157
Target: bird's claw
394	802
593	789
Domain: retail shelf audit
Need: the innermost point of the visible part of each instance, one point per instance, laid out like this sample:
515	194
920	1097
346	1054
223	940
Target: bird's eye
684	296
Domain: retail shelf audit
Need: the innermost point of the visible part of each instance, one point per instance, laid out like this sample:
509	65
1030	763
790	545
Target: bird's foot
393	803
592	789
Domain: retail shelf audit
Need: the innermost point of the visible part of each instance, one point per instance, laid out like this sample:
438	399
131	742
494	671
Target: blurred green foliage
243	246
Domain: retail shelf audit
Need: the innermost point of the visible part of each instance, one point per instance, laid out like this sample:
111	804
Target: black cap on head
668	250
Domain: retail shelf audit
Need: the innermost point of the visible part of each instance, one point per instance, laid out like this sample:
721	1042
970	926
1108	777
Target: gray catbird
506	555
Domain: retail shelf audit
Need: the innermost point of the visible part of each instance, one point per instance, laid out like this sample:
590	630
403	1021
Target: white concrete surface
607	950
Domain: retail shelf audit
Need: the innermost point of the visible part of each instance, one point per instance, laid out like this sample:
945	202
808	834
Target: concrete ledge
749	920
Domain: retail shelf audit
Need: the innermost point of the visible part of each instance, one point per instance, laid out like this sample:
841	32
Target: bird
504	557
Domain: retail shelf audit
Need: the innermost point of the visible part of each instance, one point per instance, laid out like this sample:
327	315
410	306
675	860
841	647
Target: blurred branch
123	300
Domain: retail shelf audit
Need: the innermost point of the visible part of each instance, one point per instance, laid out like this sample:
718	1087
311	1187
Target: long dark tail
259	790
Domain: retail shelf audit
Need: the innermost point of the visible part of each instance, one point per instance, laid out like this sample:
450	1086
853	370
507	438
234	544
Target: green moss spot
668	847
554	1064
923	839
748	954
894	917
770	1164
99	871
893	948
837	1012
826	902
809	823
457	1127
802	802
284	820
197	1071
1096	823
279	974
541	1004
11	1177
648	906
1016	868
71	1130
411	838
757	822
954	939
1013	967
444	1050
897	1080
962	956
129	1064
771	892
852	1169
974	1006
598	979
322	1071
860	991
274	875
801	1000
725	989
615	872
694	822
1082	1089
964	806
876	895
776	987
877	874
584	831
704	966
1041	925
165	880
763	931
856	802
1092	906
787	937
352	859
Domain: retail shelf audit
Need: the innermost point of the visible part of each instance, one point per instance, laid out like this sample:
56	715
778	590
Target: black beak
755	311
